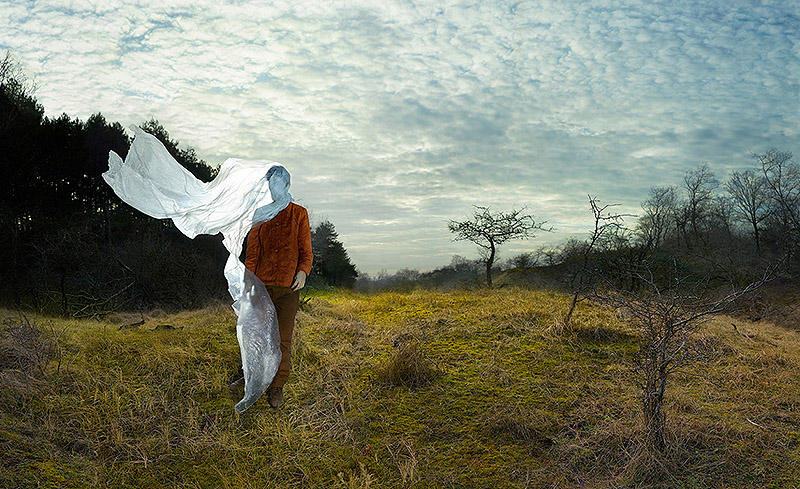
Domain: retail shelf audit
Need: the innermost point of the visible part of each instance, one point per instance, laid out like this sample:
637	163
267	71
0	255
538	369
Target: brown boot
276	397
236	389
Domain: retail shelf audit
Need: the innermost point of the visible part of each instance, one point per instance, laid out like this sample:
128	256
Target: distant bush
461	273
523	260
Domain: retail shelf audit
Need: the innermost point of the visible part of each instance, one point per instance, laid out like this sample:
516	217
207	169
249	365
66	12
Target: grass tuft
408	367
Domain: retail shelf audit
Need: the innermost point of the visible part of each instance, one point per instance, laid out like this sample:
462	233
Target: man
279	254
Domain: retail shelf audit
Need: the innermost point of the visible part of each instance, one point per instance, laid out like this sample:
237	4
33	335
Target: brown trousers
286	301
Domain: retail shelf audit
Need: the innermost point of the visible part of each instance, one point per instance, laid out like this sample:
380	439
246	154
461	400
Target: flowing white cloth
239	198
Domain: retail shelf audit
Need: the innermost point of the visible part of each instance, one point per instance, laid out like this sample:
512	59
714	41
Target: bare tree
550	256
12	75
15	85
700	184
668	316
719	220
751	204
782	180
659	211
489	230
524	260
605	225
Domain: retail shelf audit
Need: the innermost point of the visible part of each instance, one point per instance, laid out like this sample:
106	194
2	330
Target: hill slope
457	389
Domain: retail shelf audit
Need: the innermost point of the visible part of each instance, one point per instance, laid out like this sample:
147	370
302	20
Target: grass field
420	389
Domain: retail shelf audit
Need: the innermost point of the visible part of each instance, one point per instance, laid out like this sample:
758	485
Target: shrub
25	350
408	367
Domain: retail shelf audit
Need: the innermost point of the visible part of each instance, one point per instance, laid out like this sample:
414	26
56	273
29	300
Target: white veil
151	181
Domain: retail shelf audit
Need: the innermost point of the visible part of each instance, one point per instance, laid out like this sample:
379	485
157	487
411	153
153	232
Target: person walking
279	253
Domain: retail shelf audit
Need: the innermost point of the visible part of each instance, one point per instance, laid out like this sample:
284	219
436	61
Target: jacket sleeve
253	248
306	256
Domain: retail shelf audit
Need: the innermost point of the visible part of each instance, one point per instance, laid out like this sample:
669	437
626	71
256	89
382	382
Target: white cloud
396	116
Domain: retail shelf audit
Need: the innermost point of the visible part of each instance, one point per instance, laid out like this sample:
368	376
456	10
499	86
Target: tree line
71	246
751	218
699	223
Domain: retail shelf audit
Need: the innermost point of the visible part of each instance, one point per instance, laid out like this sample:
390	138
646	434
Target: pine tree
331	261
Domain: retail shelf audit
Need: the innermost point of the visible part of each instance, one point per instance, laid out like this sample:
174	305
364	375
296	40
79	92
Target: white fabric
239	198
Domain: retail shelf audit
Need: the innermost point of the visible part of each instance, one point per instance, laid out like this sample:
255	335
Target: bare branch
668	319
489	230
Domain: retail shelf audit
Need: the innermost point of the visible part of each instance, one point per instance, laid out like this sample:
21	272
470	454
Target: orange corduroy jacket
280	247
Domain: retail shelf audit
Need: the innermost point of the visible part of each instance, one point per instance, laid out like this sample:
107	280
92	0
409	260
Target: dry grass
424	389
25	349
408	367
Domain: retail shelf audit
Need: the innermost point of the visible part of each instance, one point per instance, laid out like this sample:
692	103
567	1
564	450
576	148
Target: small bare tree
489	230
668	317
782	181
655	224
605	224
524	260
748	190
699	184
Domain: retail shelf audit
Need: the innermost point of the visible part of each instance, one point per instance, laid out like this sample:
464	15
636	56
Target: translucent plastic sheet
239	198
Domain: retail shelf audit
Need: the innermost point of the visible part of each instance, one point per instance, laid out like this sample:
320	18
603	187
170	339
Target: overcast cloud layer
394	117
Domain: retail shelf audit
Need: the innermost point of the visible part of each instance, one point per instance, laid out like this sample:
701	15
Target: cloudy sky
395	116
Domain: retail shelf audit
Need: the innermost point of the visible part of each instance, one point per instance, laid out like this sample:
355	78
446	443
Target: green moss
512	405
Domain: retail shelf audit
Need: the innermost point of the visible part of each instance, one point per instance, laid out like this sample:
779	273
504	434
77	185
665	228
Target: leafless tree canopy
782	182
607	224
489	230
668	319
748	192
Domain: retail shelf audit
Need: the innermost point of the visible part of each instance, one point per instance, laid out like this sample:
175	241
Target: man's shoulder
297	208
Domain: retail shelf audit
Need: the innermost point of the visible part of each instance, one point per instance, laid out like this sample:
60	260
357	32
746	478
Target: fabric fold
153	182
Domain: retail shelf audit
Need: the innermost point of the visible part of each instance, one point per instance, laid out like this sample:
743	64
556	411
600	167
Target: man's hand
299	280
